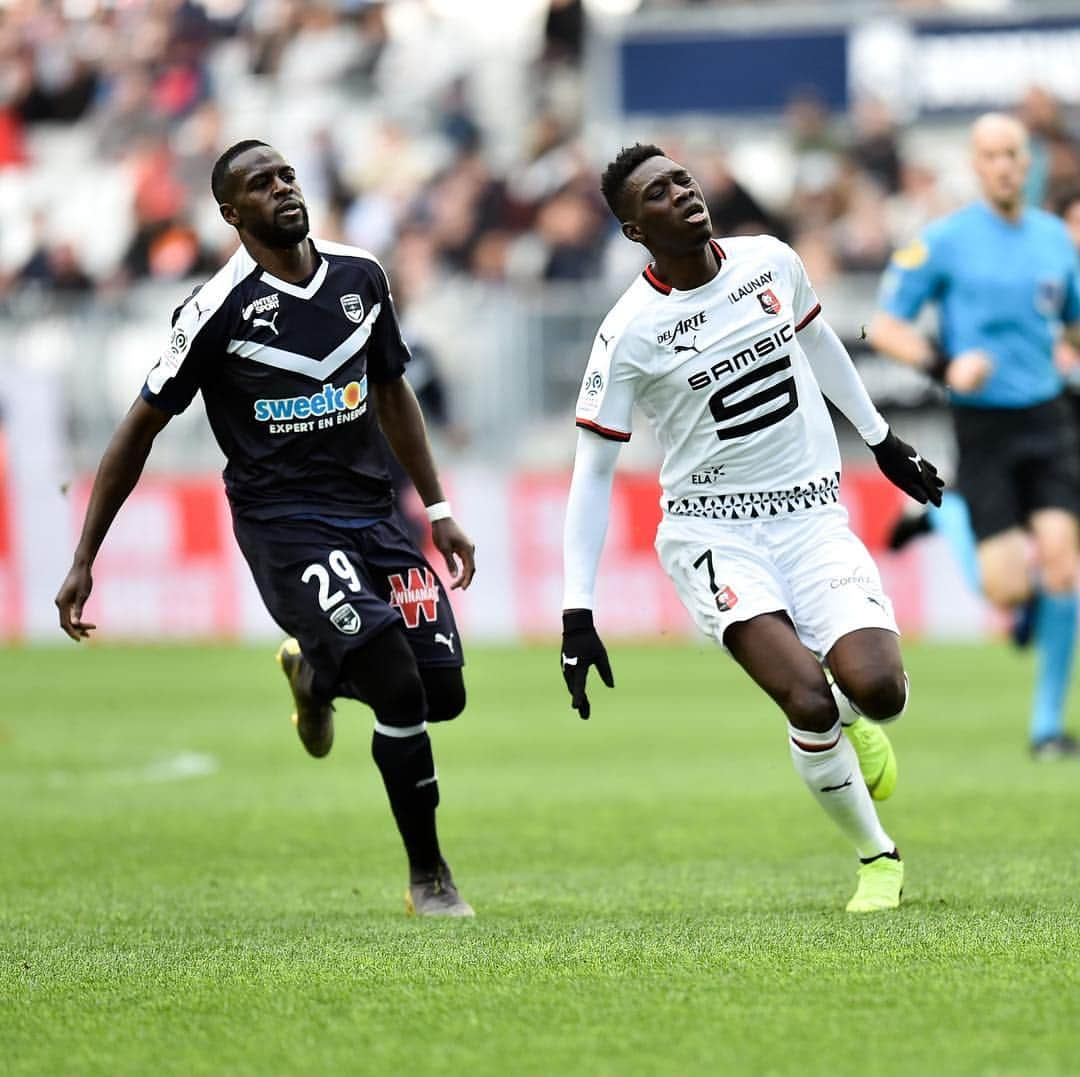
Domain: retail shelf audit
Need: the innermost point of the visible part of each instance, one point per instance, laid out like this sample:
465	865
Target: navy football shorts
335	587
1015	461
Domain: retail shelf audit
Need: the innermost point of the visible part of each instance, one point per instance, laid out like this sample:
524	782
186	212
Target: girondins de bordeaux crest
353	306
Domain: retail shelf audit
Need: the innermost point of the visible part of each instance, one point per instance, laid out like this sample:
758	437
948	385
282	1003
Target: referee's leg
1057	560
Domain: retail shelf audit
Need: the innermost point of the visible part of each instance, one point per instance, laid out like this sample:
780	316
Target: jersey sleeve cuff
603	431
385	377
809	317
155	401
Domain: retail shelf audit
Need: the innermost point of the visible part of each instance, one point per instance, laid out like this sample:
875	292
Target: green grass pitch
184	891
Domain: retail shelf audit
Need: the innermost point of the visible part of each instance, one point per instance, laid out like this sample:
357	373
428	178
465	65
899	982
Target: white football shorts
809	564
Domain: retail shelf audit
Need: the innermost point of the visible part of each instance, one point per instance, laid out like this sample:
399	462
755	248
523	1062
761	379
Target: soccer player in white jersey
721	345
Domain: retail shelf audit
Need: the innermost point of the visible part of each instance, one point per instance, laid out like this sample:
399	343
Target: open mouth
290	208
695	214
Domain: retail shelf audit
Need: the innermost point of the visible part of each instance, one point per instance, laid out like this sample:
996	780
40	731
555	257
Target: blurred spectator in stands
1041	115
734	210
564	32
817	197
58	79
195	145
860	236
126	115
570	225
14	78
1062	168
874	147
56	267
918	202
168	250
817	250
326	48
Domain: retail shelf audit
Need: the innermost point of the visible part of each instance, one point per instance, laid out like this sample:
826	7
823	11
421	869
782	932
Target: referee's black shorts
335	587
1014	461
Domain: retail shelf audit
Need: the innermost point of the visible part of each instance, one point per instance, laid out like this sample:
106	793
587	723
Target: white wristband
439	511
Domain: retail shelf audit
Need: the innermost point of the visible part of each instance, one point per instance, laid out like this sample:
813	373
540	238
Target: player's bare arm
403	424
119	471
900	340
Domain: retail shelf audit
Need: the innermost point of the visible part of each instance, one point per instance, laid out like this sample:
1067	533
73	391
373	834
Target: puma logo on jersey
269	323
606	341
448	640
260	306
691	347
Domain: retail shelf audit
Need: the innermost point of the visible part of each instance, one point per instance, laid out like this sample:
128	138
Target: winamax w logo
416	595
327	402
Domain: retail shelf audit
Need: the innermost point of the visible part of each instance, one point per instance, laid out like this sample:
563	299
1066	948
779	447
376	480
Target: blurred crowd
438	164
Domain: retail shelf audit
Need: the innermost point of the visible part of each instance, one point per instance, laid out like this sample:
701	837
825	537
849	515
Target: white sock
830	768
850	714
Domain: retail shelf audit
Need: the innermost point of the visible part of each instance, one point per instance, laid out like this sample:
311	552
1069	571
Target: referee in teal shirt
1006	283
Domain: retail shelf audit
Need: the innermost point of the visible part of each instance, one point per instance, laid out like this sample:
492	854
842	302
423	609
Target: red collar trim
656	282
665	289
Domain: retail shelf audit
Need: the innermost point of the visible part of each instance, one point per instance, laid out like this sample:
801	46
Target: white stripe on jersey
720	374
196	313
305	292
304	364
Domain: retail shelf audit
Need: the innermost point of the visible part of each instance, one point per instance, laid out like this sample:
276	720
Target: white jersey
719	372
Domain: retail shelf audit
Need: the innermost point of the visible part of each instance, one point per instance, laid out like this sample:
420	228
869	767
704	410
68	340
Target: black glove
581	648
905	468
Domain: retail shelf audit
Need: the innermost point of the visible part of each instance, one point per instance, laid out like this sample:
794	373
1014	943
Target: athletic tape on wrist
439	511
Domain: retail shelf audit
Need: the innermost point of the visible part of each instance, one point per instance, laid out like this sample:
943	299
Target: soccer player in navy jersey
296	349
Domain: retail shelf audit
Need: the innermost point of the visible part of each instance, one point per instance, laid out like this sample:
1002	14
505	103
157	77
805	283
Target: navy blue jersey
284	371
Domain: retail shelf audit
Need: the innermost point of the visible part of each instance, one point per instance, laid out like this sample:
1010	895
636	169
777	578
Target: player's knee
881	695
445	690
1059	575
810	706
388	680
1006	591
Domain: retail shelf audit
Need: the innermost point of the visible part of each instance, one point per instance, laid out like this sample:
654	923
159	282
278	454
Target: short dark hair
614	177
219	176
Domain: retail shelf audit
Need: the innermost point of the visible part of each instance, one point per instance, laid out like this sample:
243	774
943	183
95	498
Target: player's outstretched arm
587	510
402	422
840	382
119	471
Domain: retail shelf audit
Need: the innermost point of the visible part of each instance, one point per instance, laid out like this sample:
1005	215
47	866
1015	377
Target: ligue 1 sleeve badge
353	306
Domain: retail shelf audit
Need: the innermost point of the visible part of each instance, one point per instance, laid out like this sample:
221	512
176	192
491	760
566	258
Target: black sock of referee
408	772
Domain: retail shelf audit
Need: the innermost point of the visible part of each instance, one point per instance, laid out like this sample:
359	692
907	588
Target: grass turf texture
656	890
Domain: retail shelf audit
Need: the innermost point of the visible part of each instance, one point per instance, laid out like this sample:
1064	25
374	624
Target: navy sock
408	772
